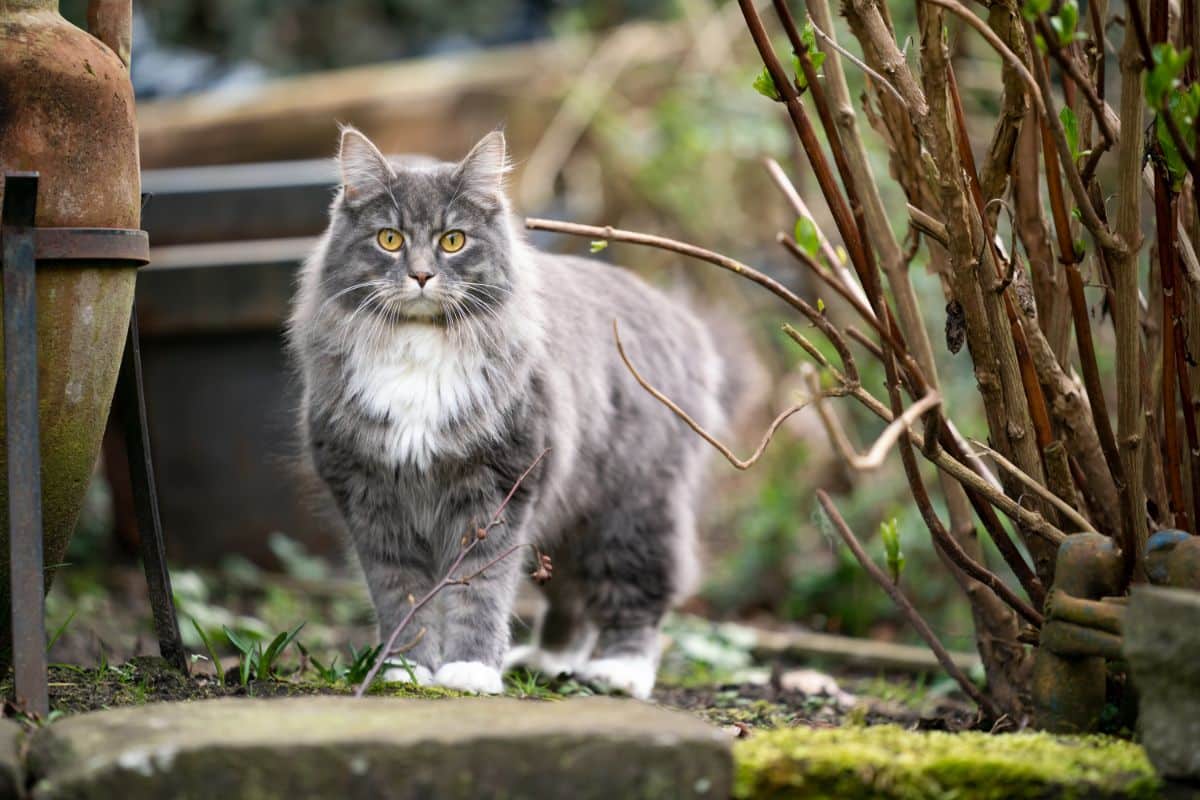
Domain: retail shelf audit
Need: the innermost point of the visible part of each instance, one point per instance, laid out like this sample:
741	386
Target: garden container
67	112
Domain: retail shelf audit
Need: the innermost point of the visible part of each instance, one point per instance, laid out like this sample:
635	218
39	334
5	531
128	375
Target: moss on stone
895	764
405	689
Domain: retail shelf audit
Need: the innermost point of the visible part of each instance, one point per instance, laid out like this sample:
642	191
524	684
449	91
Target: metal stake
130	405
27	578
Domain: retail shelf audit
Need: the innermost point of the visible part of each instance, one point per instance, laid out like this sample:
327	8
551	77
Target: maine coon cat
439	355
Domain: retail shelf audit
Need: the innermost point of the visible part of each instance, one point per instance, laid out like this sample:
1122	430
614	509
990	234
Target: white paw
423	675
470	676
549	663
633	675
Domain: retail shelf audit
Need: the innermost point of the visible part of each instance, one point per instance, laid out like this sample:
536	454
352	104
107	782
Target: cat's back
665	339
581	294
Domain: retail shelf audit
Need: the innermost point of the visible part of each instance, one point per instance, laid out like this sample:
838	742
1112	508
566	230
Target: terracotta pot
67	111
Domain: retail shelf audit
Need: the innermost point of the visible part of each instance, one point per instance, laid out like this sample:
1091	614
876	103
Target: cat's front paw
423	676
470	676
633	675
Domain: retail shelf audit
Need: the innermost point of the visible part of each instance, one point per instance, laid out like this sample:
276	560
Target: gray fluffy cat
440	354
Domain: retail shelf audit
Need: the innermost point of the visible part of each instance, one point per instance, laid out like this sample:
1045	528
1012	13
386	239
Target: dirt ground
99	622
739	708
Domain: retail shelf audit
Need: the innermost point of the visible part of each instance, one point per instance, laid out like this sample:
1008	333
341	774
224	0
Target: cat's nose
421	277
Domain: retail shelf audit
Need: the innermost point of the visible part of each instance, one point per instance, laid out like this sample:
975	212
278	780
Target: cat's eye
390	239
453	241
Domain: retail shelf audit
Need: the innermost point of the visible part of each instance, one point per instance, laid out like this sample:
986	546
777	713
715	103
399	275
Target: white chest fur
422	381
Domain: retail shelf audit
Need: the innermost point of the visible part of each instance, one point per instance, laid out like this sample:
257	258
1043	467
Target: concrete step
376	748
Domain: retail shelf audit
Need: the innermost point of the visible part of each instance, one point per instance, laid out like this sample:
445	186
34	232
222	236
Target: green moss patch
894	764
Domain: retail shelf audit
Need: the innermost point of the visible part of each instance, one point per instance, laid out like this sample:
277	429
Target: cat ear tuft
484	168
363	166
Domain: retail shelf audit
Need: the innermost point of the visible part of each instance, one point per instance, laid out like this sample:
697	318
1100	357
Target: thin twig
1041	491
780	179
799	207
906	607
1014	61
1143	40
725	262
859	304
1067	62
874	458
739	463
927	225
858	62
389	647
1087	211
853	237
942	538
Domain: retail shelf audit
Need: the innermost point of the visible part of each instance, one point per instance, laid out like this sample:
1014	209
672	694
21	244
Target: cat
439	354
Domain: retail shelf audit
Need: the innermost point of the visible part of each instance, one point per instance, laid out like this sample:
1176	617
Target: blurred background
638	114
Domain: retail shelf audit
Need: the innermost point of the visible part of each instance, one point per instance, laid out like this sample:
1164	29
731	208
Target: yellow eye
390	239
453	241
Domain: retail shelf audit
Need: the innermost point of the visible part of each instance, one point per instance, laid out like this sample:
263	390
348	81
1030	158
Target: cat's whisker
477	322
484	308
348	325
343	292
480	284
466	329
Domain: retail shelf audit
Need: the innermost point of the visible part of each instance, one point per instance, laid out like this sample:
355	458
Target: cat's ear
484	168
363	167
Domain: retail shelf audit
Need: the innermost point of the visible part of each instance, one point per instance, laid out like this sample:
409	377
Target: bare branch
961	11
929	226
906	607
738	463
858	62
1041	491
874	458
799	207
725	262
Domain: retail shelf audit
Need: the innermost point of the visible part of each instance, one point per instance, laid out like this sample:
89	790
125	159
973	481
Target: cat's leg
394	586
636	566
475	618
564	637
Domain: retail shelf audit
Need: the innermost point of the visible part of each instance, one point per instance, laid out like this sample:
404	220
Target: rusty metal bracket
26	576
24	246
129	403
117	247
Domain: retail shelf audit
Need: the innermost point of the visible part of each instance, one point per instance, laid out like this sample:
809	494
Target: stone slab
377	748
1162	643
12	774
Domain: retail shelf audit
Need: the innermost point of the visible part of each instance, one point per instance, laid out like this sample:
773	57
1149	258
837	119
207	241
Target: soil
747	707
149	679
107	620
739	708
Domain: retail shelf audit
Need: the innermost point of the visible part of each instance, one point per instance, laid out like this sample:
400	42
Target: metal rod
27	578
130	405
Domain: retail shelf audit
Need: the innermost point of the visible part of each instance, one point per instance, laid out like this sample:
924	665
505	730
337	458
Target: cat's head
420	240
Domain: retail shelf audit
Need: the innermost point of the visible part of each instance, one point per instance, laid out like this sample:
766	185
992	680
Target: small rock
738	730
815	682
